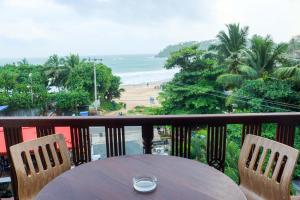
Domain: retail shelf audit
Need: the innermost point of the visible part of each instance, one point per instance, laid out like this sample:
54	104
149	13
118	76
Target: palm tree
54	61
236	71
23	62
73	60
231	42
264	55
58	76
292	73
56	71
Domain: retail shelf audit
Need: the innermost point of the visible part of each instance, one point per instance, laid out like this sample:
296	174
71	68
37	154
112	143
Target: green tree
264	55
82	78
57	76
4	98
54	61
23	62
290	73
261	95
190	89
231	42
236	71
73	60
37	75
8	78
70	100
230	50
114	90
58	69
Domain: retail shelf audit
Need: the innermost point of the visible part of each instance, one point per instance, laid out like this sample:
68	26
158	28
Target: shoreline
145	83
143	94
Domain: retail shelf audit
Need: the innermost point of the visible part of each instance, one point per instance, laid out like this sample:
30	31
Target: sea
133	69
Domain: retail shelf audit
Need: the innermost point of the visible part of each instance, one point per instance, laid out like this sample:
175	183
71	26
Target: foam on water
132	78
133	69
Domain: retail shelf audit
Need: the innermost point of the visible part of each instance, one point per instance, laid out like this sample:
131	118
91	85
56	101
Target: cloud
35	28
276	17
137	11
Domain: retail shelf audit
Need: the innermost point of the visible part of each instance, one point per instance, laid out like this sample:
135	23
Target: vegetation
70	100
24	86
145	110
203	45
187	92
232	42
236	74
255	76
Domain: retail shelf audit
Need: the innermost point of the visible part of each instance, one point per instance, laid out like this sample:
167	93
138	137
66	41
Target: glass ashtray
144	184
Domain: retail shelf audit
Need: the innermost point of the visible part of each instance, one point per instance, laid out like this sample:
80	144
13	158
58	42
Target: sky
39	28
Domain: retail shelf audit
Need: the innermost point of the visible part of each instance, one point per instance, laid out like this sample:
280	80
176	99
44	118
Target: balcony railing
181	129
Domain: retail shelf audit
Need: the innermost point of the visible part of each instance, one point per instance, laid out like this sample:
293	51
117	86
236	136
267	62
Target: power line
248	102
265	100
283	104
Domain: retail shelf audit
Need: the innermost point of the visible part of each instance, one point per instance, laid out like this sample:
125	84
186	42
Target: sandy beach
138	95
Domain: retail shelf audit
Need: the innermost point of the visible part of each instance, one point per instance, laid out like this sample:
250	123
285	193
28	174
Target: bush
70	100
4	99
198	146
146	110
111	106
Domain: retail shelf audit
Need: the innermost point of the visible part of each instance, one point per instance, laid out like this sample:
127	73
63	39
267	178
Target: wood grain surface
178	178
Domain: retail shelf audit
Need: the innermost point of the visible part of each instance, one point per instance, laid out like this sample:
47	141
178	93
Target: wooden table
111	179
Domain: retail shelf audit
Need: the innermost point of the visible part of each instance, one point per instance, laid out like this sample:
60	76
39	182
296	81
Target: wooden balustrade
81	143
216	146
115	141
181	141
181	132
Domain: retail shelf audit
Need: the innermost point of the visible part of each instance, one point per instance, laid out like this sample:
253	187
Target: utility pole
95	83
31	91
97	101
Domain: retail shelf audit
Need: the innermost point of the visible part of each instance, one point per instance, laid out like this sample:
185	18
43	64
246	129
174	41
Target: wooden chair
266	168
39	161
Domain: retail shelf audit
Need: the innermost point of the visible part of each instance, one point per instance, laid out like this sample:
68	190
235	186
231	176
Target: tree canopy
249	75
237	74
24	85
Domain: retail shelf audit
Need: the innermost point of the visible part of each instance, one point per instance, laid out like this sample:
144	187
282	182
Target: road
133	139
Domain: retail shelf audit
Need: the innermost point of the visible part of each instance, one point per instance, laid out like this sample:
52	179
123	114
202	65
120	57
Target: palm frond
230	80
247	70
288	73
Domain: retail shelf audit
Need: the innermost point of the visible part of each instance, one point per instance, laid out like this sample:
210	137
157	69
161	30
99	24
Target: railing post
81	144
251	128
216	145
147	134
285	133
12	136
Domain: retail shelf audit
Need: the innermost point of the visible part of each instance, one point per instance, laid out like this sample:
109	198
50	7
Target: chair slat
29	184
274	182
38	159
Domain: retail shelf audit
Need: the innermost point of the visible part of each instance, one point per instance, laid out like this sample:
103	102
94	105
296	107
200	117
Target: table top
109	179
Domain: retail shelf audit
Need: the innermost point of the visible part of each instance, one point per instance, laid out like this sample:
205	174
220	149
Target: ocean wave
129	78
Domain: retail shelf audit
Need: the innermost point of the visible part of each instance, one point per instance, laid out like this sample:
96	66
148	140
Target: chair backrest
39	161
266	168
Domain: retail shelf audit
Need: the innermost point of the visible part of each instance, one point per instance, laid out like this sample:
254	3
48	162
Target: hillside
203	45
